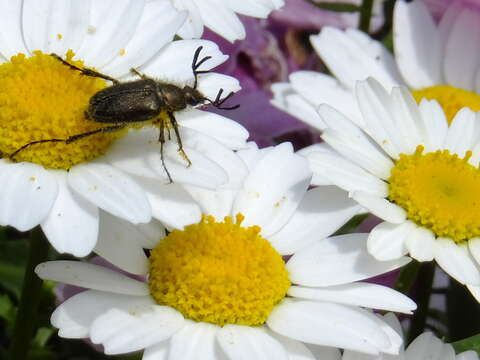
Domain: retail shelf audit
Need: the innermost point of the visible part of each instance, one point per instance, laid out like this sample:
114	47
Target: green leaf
13	256
336	6
42	354
42	336
471	343
352	224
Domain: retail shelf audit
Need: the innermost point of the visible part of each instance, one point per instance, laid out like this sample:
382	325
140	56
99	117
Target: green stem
365	15
423	290
407	277
30	297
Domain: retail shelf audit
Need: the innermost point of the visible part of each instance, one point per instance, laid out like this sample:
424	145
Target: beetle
140	100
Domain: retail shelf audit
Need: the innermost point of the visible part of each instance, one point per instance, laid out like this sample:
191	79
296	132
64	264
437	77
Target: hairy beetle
141	100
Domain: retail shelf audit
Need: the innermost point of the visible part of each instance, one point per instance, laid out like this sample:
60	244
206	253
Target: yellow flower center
451	99
41	98
218	272
439	191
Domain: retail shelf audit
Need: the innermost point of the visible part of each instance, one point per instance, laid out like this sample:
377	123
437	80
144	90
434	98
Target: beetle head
193	96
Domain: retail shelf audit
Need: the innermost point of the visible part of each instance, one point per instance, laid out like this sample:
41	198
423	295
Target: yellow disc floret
450	98
41	98
218	272
439	191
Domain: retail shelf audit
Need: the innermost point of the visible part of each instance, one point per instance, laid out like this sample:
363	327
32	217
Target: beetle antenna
196	64
218	102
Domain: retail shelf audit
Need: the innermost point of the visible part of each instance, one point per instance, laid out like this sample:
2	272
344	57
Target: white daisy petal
139	154
253	343
139	326
227	132
118	245
428	345
360	294
407	119
396	339
376	108
325	352
352	143
157	27
28	192
216	203
75	315
150	233
220	19
434	123
44	29
321	212
461	132
456	261
467	355
318	178
393	322
387	241
474	247
329	324
462	50
196	340
377	51
298	107
107	37
421	244
210	84
111	190
346	174
11	31
347	59
268	203
203	171
167	64
171	204
193	27
318	88
91	276
337	260
157	352
380	207
234	166
296	350
413	28
72	224
256	8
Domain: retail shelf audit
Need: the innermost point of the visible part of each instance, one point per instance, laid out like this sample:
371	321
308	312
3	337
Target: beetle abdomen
134	101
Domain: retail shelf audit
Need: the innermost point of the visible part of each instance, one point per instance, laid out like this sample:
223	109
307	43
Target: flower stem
423	290
30	297
407	277
365	15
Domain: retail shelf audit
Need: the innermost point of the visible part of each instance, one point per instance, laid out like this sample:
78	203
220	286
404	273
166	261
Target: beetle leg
182	152
86	71
138	73
70	139
161	140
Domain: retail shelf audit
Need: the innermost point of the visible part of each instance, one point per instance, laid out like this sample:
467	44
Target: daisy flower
425	346
407	166
221	16
446	70
219	288
62	186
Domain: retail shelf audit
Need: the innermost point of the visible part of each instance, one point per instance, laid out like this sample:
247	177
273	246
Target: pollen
439	191
218	272
451	99
41	99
